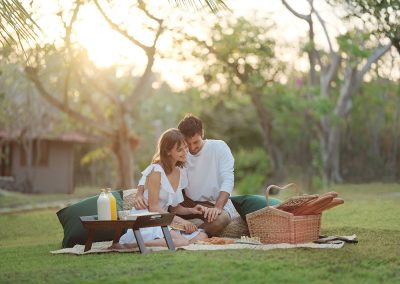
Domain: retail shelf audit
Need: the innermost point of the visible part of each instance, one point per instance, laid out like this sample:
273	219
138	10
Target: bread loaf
335	202
310	208
331	193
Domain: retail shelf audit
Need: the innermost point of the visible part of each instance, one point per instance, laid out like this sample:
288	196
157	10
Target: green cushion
74	233
246	204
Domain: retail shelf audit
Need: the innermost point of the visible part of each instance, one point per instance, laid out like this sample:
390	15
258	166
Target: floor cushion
128	196
74	233
246	204
236	229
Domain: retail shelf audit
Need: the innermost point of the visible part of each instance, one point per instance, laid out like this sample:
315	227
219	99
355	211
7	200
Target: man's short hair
190	125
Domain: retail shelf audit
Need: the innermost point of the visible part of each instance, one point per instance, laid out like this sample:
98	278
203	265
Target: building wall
56	176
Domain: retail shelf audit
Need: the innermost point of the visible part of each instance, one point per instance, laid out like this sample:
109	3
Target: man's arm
212	213
222	200
225	172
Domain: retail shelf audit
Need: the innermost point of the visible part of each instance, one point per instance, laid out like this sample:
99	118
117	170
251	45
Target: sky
106	47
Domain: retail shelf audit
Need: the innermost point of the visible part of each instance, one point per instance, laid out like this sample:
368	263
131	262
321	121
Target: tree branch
123	32
96	85
68	49
158	33
298	15
325	30
378	53
333	67
350	85
32	75
93	106
143	7
144	82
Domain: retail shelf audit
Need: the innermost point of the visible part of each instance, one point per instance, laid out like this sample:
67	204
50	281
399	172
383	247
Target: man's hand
211	214
140	202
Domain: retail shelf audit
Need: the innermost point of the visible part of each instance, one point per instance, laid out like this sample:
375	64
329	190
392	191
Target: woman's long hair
166	143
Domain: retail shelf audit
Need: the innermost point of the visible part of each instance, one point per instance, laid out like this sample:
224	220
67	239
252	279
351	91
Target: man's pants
212	229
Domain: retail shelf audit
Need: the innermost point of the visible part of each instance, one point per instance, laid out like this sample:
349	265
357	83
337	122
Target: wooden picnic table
92	224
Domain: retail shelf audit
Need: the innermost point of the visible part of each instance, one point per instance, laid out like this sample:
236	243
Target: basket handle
280	188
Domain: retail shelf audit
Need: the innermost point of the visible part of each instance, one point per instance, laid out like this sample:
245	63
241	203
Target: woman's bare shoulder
154	176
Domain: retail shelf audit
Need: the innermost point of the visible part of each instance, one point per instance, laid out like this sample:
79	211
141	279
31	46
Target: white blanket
102	247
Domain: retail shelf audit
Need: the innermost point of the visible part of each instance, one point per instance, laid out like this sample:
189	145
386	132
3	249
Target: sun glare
107	47
104	45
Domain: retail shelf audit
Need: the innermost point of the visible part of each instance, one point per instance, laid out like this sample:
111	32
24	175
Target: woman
166	177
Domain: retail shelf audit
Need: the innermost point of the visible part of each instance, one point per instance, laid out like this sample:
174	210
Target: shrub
251	169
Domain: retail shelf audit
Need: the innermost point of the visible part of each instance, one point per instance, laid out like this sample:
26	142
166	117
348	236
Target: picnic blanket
103	247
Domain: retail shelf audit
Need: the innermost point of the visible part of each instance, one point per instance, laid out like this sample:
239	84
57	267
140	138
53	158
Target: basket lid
292	203
295	202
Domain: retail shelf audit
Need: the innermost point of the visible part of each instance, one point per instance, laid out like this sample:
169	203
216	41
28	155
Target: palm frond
213	5
16	25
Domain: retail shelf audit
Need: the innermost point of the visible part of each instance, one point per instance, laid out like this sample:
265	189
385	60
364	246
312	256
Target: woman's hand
198	209
139	202
189	226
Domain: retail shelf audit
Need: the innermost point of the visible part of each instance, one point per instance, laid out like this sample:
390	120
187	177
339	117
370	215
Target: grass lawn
371	211
13	199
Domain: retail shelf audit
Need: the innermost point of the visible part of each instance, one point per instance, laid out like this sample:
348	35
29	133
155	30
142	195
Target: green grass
370	211
13	199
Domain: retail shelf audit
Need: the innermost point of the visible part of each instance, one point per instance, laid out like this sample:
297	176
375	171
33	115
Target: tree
110	119
356	60
240	58
383	16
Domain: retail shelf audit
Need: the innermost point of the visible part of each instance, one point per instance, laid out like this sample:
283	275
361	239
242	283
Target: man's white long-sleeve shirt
211	171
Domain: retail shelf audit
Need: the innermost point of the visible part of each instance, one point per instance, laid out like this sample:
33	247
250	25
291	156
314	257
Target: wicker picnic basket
273	225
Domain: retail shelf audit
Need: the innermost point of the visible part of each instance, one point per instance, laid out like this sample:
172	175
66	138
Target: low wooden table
91	224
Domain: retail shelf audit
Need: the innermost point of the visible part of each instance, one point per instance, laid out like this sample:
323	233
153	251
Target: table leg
168	238
140	241
117	235
89	241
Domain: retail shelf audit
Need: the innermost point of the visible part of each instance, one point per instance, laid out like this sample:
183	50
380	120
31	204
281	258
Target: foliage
238	55
352	43
233	121
381	17
371	133
251	168
16	25
26	258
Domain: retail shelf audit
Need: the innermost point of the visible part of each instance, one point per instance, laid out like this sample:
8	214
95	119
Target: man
210	172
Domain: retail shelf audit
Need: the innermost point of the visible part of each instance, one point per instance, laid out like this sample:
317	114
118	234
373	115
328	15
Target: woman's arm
154	183
180	210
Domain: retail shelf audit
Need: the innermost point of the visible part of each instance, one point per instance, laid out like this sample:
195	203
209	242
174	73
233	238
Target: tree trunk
268	143
333	162
392	162
122	150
